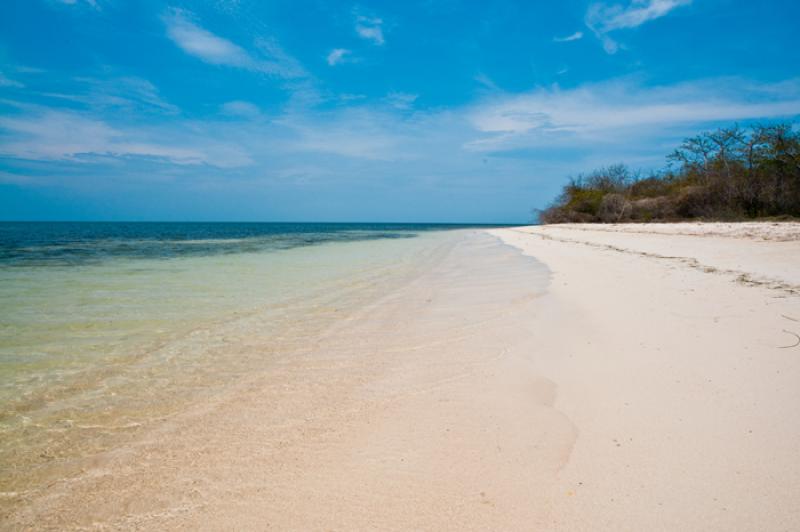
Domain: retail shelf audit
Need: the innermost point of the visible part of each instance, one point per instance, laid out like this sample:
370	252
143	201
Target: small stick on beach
794	344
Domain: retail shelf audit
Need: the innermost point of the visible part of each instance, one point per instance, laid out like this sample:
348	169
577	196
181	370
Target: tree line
729	174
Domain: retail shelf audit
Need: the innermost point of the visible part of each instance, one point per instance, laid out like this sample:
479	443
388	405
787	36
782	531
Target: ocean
107	328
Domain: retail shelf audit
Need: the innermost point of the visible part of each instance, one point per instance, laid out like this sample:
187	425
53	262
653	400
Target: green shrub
725	174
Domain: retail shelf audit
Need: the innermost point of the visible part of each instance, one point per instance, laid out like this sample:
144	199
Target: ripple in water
107	327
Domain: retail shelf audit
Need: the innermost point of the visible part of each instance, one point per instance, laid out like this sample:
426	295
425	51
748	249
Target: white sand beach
535	378
675	352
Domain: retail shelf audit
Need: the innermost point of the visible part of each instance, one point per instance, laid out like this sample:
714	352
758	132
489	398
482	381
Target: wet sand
602	385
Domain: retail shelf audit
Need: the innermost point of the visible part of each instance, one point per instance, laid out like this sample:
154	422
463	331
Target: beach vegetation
731	173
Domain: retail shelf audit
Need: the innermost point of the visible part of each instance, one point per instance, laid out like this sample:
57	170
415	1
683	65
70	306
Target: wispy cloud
370	28
53	135
623	109
401	100
92	3
486	81
128	93
45	134
203	44
354	134
617	111
607	18
8	82
242	109
97	98
569	38
376	142
604	18
338	55
270	58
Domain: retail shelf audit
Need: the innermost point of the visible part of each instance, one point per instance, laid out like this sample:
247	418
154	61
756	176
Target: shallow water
108	328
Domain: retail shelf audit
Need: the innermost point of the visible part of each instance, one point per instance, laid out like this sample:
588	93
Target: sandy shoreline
672	365
596	380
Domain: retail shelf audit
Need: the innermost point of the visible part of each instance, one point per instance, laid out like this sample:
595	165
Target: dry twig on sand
794	344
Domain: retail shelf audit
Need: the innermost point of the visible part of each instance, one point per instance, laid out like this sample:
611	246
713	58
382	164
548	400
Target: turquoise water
76	243
107	328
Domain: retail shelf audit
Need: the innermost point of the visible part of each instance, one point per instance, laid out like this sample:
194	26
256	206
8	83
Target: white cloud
622	109
569	38
604	18
127	93
620	113
44	134
531	139
276	61
203	44
401	100
7	82
338	55
607	18
609	45
373	134
92	3
370	28
371	142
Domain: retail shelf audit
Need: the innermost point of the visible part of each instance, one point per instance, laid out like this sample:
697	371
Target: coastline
528	378
97	353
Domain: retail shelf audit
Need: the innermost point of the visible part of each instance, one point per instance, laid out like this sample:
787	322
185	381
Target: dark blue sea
66	243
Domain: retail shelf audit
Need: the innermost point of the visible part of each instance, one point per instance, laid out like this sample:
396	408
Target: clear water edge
95	352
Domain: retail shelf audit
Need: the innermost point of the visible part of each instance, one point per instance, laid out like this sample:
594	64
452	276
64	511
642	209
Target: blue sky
430	110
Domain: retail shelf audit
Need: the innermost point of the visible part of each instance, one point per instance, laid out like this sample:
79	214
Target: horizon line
269	222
